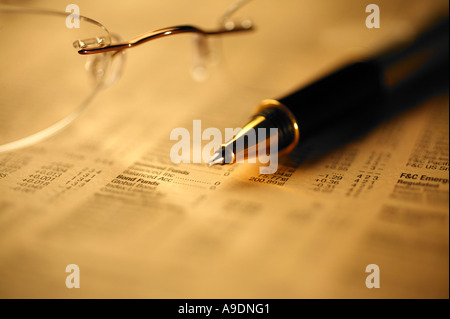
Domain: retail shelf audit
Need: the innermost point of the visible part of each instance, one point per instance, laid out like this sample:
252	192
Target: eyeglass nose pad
106	68
202	57
96	66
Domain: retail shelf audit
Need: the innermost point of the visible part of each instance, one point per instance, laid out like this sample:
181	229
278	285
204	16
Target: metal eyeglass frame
99	45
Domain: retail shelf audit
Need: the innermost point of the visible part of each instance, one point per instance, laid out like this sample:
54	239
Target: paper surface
105	196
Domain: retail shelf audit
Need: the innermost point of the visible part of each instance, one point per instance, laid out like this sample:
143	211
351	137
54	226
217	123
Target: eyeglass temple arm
93	46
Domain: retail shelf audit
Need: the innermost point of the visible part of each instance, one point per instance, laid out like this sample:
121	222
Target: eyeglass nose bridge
202	51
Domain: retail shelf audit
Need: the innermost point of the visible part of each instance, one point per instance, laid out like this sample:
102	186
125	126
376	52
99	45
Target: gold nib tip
217	159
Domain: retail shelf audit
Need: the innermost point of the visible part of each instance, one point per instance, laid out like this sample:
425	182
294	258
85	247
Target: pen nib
217	159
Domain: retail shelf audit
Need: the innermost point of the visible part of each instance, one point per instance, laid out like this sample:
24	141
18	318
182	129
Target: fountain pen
350	102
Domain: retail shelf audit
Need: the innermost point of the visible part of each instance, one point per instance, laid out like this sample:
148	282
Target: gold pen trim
274	103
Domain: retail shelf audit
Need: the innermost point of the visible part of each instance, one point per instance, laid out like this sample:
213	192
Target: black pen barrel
321	104
352	101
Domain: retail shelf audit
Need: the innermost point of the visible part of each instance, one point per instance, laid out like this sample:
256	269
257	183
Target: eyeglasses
46	82
39	99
